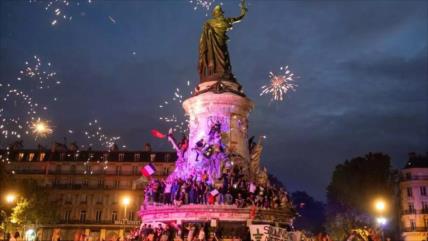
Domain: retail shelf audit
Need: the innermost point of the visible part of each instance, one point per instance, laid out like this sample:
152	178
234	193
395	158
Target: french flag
214	192
148	170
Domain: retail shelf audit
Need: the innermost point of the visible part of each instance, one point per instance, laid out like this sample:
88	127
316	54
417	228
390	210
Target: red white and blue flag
148	170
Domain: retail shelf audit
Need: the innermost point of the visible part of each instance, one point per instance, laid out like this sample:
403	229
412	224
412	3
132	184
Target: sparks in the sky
41	128
172	110
279	85
26	98
94	132
60	10
204	4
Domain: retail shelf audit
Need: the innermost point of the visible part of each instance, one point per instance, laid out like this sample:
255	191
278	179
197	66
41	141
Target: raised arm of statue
243	13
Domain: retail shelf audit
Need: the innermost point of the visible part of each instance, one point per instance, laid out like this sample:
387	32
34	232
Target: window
100	182
42	156
82	216
98	216
68	199
409	192
116	183
67	215
20	156
412	224
100	199
423	191
31	156
135	170
411	208
73	169
58	169
83	199
121	157
424	206
137	157
114	216
152	157
85	182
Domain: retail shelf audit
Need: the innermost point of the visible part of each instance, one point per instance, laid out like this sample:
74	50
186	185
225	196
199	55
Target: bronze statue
214	61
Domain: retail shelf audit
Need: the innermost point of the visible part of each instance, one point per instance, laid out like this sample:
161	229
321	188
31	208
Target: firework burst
279	85
41	128
20	98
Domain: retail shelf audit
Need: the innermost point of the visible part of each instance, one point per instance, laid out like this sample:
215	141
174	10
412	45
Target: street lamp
380	208
126	201
10	198
380	205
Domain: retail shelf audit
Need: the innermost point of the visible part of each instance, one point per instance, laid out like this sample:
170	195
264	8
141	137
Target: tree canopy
354	186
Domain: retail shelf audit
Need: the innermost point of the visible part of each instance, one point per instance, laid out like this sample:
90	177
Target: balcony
415	229
408	211
414	178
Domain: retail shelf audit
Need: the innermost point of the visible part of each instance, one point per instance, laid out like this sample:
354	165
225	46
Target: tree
34	206
312	212
352	189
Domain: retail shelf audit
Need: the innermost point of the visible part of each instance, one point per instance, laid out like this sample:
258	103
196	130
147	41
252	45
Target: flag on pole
158	134
148	170
214	192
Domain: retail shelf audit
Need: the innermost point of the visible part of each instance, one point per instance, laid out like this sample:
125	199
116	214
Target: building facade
414	199
90	187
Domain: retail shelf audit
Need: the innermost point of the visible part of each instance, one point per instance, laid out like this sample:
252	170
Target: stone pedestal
222	104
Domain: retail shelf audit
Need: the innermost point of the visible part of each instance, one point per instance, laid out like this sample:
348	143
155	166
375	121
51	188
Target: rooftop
417	161
33	155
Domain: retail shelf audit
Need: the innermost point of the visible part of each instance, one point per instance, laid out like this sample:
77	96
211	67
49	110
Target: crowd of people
162	232
230	189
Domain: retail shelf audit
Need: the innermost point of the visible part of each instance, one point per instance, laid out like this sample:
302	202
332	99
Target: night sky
363	82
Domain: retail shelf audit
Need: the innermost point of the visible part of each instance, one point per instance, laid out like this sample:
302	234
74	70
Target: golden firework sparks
41	128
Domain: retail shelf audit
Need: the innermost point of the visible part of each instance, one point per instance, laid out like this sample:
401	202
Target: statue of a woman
214	61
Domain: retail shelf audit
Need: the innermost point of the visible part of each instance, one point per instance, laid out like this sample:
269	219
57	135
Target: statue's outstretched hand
244	6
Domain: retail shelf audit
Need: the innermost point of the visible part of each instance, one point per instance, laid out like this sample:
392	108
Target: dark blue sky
363	68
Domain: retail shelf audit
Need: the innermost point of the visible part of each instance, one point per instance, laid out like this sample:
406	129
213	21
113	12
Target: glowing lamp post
10	198
126	201
380	207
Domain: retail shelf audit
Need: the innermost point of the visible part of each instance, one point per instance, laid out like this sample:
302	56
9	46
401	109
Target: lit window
20	156
31	156
42	156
